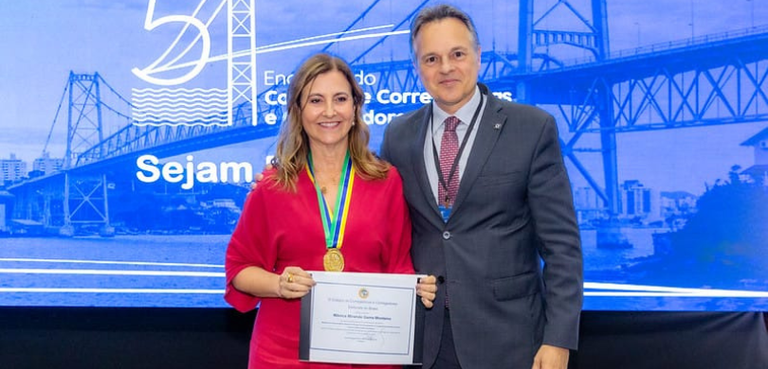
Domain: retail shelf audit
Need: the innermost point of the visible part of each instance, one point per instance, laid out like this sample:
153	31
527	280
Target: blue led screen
131	131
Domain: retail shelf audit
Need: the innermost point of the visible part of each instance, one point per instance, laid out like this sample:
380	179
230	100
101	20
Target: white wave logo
181	106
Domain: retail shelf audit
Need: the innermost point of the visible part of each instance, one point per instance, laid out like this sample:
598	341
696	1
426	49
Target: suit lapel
491	125
417	152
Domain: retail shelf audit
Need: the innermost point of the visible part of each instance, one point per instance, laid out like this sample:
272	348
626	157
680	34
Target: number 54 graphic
185	103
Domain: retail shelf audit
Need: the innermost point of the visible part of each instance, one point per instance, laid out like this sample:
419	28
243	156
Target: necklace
330	182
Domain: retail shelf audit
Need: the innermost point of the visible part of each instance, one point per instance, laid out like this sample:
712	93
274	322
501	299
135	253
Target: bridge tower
595	39
85	195
241	63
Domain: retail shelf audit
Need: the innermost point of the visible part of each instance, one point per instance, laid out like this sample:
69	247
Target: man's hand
259	176
427	289
551	357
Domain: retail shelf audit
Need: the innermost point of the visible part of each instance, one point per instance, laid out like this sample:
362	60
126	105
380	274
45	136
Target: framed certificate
362	318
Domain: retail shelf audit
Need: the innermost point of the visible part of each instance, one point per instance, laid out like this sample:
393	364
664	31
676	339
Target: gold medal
333	261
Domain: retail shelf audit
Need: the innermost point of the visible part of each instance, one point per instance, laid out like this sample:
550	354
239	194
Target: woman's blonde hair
293	142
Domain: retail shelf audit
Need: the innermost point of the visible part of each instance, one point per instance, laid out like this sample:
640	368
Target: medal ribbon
334	226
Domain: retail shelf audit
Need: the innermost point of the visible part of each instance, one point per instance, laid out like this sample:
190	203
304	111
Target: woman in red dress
325	179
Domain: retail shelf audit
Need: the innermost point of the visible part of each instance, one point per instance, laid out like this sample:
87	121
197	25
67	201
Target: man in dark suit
490	200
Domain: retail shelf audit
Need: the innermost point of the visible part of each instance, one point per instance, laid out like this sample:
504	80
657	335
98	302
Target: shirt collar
464	113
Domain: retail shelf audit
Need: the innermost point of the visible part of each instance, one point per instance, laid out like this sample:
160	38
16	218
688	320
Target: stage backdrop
131	131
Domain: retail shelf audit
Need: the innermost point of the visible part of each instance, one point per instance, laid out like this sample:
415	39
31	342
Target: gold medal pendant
333	260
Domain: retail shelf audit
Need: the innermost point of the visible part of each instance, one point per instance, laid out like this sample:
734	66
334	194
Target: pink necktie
449	148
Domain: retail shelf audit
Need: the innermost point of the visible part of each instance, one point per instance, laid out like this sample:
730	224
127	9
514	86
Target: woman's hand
427	289
294	283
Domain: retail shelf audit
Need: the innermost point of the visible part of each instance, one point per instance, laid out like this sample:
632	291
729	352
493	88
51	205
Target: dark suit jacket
513	209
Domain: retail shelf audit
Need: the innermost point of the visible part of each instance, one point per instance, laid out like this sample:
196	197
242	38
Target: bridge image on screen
151	153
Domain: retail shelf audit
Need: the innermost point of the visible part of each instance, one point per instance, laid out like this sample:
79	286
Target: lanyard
440	176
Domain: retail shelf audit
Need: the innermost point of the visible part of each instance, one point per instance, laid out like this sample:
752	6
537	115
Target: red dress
279	228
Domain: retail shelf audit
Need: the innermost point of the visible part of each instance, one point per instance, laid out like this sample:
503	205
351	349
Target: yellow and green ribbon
334	227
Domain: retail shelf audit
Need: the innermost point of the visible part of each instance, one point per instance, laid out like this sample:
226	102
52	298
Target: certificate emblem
333	261
363	293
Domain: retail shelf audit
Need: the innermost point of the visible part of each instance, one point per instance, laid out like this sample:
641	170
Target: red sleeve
249	246
399	260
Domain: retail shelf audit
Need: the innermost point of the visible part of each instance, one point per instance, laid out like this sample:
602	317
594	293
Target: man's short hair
437	13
